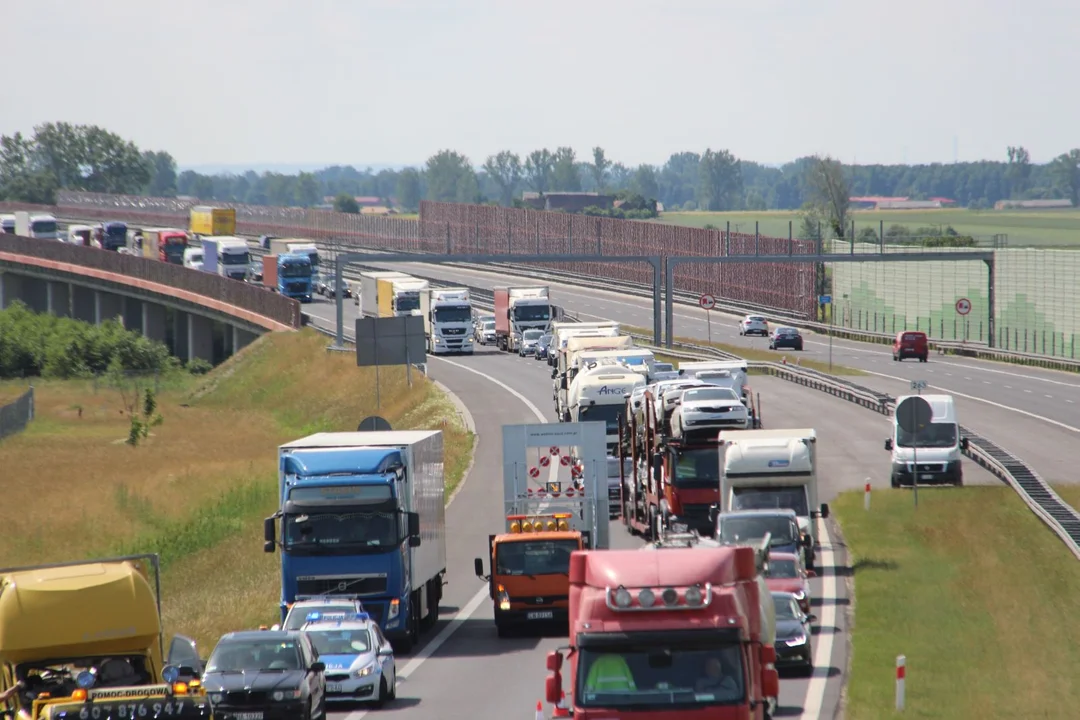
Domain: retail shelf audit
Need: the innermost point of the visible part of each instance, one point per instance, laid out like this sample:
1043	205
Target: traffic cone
561	710
540	711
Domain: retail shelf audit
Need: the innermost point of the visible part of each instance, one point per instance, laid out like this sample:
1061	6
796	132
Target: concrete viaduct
196	314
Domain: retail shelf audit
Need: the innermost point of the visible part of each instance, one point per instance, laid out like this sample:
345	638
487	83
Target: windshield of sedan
697	394
260	654
786	607
783	569
335	641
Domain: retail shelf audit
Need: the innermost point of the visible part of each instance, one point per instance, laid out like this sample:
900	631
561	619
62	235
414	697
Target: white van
937	447
193	258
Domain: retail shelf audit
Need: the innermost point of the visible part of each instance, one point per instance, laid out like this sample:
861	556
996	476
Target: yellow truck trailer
213	221
85	640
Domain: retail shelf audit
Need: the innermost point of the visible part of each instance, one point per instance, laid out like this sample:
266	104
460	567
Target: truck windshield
532	313
749	529
934	435
240	258
342	533
453	314
698	468
770	498
655	677
534	557
608	414
174	252
42	226
296	269
408	303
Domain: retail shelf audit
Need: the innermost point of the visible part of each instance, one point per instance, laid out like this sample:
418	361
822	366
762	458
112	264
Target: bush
34	344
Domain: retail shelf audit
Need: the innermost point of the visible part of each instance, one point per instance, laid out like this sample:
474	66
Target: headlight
800	595
280	695
503	598
368	669
215	698
798	640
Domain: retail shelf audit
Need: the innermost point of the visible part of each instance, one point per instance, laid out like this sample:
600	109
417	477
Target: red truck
678	633
518	310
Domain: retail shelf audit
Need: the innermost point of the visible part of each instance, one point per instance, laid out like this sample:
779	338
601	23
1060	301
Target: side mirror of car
964	444
888	444
811	618
811	574
318	667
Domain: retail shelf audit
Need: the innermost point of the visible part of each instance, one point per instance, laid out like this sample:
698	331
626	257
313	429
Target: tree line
87	157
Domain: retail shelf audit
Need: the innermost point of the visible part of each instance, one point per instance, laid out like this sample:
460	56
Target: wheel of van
924	358
894	481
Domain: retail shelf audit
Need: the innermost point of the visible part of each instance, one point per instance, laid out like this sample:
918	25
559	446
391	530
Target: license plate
333	687
540	615
248	716
926	477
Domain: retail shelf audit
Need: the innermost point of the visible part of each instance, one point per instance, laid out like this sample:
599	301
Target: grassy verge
197	489
978	595
762	355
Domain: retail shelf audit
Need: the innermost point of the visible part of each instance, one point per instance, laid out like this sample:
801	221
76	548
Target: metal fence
16	415
241	295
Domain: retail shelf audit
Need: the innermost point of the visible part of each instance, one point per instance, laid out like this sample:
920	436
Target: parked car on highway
786	337
793	644
786	573
754	325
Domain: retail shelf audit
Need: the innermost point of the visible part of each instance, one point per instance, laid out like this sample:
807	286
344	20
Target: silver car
359	660
530	339
754	325
485	333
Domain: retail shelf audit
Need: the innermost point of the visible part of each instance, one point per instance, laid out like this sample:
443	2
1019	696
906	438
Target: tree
87	157
306	190
346	203
1066	170
719	181
565	177
540	170
644	182
20	178
1019	170
599	168
450	178
162	168
505	171
408	189
827	190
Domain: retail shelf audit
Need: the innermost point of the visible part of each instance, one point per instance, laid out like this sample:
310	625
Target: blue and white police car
359	660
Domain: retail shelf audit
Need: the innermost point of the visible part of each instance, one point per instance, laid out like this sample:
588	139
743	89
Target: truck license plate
540	615
333	687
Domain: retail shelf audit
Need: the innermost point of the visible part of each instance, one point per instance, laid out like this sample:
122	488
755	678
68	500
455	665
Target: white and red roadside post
866	496
901	672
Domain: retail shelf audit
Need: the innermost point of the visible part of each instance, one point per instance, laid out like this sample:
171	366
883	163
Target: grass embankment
977	593
750	353
1024	227
198	488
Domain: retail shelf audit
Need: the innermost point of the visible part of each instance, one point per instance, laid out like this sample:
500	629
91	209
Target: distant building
1032	204
570	202
876	202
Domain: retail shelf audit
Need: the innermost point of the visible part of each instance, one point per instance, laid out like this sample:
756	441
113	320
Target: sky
319	82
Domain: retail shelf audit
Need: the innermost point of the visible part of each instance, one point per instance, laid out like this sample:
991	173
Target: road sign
545	460
554	450
707	302
534	472
913	414
824	299
564	460
917	385
963	306
373	424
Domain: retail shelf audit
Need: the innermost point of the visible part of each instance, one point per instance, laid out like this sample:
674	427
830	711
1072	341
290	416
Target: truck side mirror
770	683
657	466
964	444
553	688
478	567
888	444
554	373
554	661
714	512
414	541
269	534
824	510
414	524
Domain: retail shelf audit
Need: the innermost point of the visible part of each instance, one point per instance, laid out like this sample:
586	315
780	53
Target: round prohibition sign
554	450
963	306
534	472
564	460
707	302
545	461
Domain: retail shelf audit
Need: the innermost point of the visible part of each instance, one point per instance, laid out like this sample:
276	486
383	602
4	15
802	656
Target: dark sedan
542	347
786	337
266	675
793	644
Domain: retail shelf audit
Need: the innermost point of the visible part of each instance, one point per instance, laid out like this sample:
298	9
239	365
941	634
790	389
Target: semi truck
285	246
290	274
362	514
598	394
369	279
562	332
773	470
86	640
447	320
517	310
548	516
165	244
36	225
213	221
671	634
569	364
227	256
389	294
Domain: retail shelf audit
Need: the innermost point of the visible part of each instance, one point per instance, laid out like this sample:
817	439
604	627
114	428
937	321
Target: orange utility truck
550	513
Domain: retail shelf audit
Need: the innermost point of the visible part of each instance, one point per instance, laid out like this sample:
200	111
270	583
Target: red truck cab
673	634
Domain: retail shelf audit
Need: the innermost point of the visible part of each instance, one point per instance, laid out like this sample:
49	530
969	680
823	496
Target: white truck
598	394
518	309
569	364
640	360
773	470
385	293
447	320
226	255
370	279
36	225
287	246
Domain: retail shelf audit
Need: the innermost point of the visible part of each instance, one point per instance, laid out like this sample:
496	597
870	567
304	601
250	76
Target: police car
299	610
359	661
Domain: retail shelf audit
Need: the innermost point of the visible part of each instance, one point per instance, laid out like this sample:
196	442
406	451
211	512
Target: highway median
197	486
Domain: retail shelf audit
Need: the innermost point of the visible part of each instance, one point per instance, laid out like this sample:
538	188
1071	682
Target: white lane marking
471	607
1006	372
1061	425
815	690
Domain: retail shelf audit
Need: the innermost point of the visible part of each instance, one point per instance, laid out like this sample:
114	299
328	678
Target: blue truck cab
295	276
362	515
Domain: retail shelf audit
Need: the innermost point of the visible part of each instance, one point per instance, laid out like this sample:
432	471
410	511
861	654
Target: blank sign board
390	341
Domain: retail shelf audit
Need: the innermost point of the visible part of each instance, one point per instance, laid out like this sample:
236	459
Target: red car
787	574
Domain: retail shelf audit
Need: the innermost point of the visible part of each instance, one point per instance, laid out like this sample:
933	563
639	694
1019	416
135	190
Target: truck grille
341	586
697	511
930	467
454	331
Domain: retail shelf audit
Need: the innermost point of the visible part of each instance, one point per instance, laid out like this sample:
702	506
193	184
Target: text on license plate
247	716
927	476
540	615
333	687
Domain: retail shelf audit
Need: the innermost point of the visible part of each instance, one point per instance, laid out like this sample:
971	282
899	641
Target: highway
499	389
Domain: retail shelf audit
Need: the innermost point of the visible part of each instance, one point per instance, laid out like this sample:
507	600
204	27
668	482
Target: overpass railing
240	295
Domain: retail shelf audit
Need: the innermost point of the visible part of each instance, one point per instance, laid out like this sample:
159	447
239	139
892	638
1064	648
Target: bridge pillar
35	293
180	335
133	314
83	303
11	288
241	339
107	306
153	321
200	340
58	298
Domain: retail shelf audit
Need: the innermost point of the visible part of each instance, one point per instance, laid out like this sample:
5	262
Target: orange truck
550	514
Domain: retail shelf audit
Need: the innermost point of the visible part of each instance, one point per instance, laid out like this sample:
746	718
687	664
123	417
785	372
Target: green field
1033	228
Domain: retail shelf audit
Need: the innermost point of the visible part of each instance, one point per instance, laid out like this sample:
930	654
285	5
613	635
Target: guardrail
17	414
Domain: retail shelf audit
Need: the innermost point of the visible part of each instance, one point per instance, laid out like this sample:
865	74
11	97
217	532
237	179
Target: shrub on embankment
42	345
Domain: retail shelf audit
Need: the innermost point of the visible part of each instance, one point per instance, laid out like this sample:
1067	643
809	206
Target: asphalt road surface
499	389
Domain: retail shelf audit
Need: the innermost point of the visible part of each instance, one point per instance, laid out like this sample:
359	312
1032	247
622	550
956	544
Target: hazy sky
378	81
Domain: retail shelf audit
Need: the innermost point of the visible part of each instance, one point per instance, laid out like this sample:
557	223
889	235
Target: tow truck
545	521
